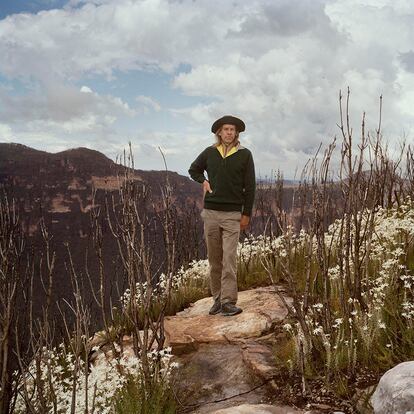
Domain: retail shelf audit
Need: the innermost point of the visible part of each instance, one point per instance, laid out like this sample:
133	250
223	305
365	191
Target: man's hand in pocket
206	187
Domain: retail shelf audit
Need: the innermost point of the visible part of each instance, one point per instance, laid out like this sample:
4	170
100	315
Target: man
228	201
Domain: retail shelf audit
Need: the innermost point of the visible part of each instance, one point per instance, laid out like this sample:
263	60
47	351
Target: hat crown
228	119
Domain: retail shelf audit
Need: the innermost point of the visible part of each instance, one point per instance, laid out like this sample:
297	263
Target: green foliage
252	275
138	398
185	295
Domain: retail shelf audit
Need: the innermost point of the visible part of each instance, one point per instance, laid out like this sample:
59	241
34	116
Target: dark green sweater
232	179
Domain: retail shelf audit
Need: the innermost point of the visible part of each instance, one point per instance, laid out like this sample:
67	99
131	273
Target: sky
158	73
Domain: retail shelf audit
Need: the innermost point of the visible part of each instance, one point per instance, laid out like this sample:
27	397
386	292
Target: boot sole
232	313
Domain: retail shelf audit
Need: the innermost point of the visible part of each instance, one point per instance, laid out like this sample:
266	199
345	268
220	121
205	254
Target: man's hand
244	222
206	187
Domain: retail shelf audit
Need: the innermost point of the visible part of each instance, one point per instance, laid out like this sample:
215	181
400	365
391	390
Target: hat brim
228	119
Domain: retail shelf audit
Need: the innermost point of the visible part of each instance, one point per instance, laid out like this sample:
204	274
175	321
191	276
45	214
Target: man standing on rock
228	201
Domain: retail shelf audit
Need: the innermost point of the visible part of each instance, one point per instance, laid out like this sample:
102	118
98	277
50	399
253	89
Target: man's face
227	134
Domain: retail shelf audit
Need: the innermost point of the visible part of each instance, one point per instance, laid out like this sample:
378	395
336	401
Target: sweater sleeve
249	187
198	167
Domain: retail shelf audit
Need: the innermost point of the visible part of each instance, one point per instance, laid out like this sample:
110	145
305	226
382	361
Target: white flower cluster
197	272
392	234
392	237
392	229
96	390
395	226
384	253
334	273
408	310
253	248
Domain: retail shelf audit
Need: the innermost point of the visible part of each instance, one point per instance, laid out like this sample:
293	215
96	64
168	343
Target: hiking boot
228	309
216	308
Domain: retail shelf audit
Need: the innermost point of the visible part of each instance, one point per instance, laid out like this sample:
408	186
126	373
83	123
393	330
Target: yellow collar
220	149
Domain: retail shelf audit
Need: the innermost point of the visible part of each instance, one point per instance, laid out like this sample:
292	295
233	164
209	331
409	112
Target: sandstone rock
395	391
214	373
257	409
262	308
260	360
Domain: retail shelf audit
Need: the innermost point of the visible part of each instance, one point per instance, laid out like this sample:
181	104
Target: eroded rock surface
216	373
262	308
259	359
227	363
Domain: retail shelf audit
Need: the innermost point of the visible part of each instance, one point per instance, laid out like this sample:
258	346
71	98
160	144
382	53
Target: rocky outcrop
262	309
259	359
227	363
215	376
395	391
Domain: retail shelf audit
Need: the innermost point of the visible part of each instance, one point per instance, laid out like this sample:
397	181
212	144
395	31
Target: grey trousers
222	230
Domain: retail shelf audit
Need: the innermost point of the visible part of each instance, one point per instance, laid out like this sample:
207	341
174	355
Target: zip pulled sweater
231	177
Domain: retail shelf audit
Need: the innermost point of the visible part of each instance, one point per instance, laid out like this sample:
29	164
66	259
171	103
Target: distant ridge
19	159
63	181
16	158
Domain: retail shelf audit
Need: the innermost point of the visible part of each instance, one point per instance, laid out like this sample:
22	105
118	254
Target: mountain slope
59	188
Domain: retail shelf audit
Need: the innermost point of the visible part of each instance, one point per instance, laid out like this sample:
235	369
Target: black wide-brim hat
228	119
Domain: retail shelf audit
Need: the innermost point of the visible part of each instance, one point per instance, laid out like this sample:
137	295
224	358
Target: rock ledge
262	309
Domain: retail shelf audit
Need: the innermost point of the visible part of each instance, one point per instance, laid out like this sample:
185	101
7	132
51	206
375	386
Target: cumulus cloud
148	103
100	37
200	114
277	64
177	149
287	18
60	103
61	117
288	90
